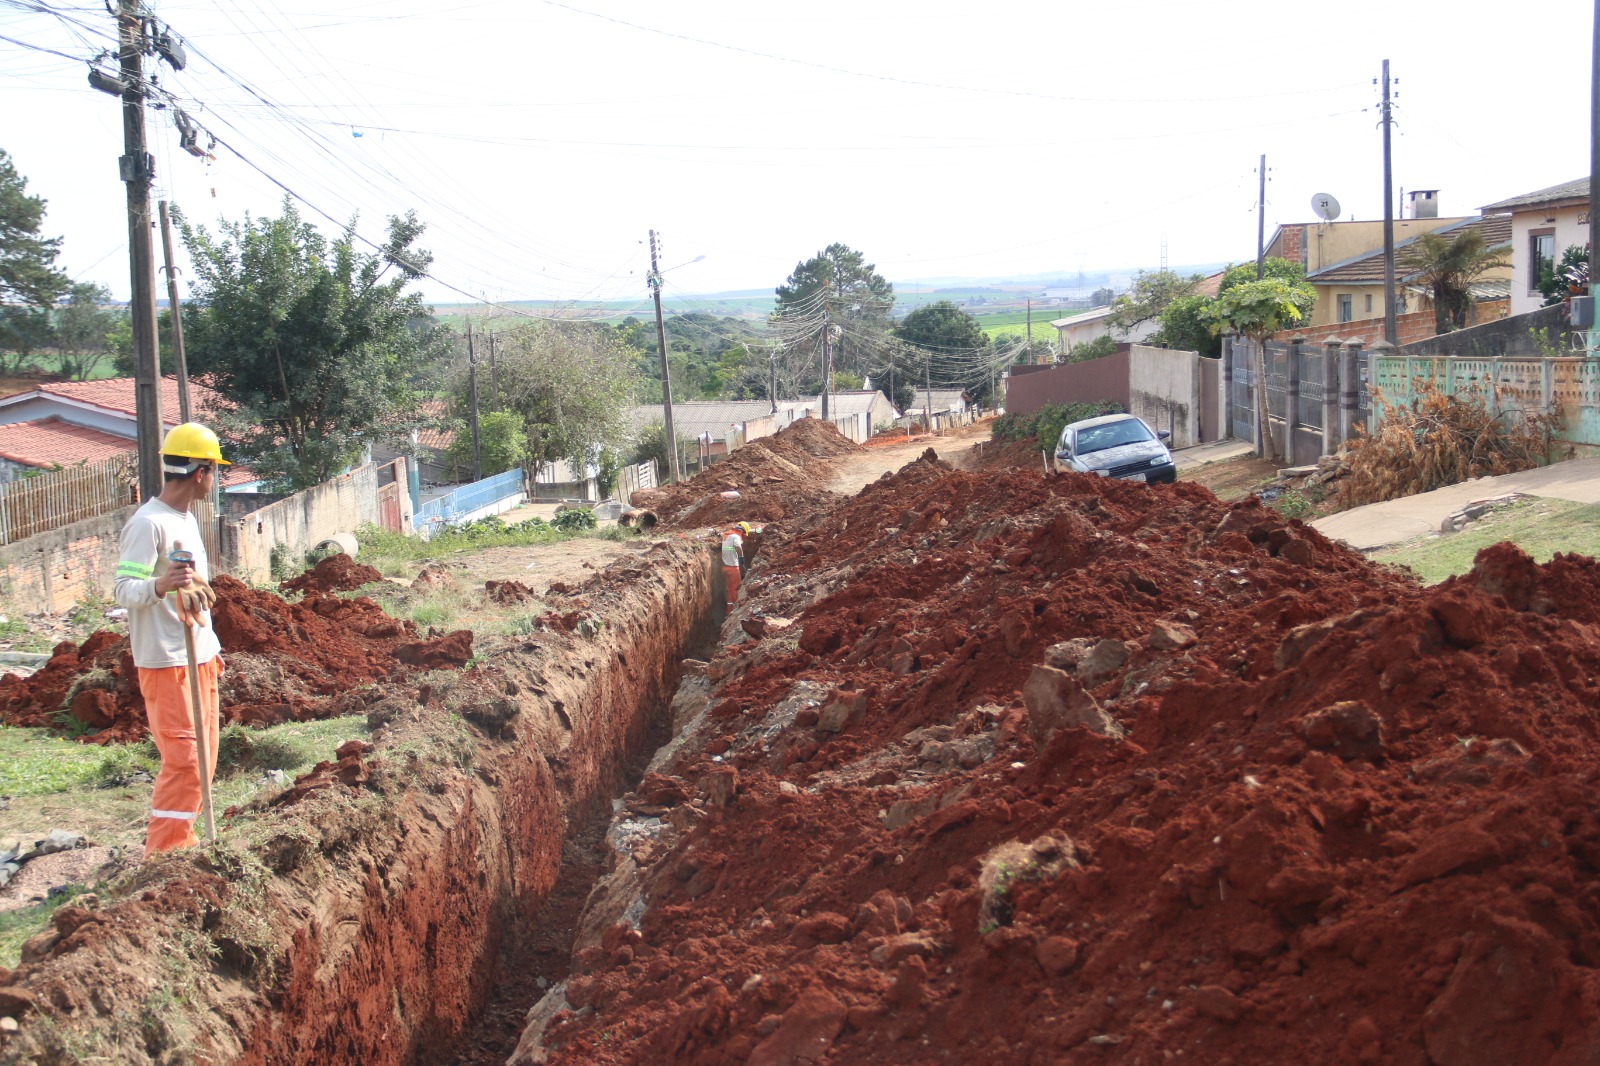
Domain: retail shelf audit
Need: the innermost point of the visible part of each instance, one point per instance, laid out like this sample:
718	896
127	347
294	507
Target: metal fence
1308	408
1241	398
57	498
454	506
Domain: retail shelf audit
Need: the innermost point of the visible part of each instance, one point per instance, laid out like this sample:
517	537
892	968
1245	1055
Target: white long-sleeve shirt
154	629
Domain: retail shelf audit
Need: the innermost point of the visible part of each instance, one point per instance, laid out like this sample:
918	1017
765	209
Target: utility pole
138	167
494	374
1592	340
1391	332
827	343
666	375
1261	221
1030	330
184	409
472	392
772	363
927	393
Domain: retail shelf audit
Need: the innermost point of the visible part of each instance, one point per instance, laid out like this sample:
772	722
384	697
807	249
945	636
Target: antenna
1326	206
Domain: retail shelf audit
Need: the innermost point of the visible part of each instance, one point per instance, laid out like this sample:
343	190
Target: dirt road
855	472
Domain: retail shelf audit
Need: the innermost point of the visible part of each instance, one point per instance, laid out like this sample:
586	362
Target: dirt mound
336	573
285	661
775	477
1065	768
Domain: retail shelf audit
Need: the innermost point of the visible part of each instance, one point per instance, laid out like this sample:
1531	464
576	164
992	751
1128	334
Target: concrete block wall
299	523
53	571
1164	390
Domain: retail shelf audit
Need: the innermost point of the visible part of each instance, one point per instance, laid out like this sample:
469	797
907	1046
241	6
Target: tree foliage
30	283
835	288
570	384
1152	291
502	444
1271	267
1572	272
1184	326
317	346
85	325
942	326
1448	266
1099	348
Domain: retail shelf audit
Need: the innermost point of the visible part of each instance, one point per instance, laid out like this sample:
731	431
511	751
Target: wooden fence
57	498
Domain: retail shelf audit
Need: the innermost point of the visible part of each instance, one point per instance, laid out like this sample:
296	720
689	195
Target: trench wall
388	933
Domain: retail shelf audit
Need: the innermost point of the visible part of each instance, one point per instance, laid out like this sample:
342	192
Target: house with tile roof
1352	290
65	423
1544	224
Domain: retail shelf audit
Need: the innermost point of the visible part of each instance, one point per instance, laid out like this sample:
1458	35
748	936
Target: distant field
1015	323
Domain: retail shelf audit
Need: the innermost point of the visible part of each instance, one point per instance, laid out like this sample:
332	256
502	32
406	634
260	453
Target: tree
1259	309
84	329
942	326
1449	266
502	444
1184	326
1271	267
30	284
1570	275
1099	348
1152	291
570	383
317	347
837	290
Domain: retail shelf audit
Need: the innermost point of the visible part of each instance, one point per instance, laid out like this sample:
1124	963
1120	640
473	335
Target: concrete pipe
344	542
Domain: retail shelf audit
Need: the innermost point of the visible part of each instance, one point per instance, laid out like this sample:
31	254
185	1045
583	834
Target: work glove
193	601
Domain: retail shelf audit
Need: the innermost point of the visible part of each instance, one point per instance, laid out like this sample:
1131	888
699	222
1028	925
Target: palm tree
1449	266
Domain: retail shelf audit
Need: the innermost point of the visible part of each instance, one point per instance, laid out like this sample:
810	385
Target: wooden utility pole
666	374
472	405
1030	331
138	167
1391	331
1261	221
185	411
494	374
927	393
1592	340
827	343
772	360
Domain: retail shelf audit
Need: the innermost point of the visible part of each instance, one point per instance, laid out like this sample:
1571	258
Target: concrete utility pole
927	394
827	344
472	403
1261	221
494	374
666	374
1592	340
772	369
185	411
1030	330
1391	331
138	167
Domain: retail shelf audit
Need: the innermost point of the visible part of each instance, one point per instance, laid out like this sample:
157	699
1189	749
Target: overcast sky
540	141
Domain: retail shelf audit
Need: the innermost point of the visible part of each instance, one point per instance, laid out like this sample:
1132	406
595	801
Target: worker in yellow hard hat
163	579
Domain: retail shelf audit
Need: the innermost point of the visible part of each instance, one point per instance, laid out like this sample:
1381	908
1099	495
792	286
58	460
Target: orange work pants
731	573
175	800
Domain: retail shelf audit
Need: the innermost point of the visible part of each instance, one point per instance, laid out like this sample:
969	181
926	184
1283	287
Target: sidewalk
1214	452
1378	525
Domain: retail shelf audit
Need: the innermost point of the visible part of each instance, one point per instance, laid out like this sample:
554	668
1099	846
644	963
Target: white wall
1164	390
1569	230
1076	333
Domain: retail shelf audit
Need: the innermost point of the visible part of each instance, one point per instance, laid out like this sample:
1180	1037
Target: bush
1438	440
1044	426
574	520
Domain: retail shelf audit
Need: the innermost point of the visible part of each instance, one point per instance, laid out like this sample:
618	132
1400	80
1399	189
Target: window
1369	303
1542	256
1346	310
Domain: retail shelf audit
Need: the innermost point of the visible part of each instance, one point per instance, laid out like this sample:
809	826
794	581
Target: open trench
407	924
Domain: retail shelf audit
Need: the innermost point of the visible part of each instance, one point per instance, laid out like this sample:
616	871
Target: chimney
1424	203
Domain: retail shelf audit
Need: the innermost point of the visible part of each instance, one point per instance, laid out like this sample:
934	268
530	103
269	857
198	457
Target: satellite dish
1326	207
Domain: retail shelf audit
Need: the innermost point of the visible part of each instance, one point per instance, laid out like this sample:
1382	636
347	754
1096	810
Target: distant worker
733	558
163	595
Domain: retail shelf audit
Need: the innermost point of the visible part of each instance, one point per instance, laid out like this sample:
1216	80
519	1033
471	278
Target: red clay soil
1319	814
284	661
336	573
777	477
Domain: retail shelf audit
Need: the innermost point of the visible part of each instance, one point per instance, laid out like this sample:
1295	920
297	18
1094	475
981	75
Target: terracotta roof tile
117	394
1368	268
50	442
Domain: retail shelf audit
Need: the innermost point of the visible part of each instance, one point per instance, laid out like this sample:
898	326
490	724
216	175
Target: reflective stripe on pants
175	800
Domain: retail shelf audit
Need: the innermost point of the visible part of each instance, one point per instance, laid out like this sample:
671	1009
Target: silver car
1120	446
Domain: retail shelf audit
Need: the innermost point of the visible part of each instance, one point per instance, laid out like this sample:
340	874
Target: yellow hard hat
193	441
745	526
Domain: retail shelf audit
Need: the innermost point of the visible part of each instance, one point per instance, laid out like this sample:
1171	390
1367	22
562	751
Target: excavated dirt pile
1069	770
336	573
776	477
284	660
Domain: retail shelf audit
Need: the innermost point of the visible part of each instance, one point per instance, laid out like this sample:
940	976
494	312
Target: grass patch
18	925
38	762
1539	527
291	746
391	552
21	638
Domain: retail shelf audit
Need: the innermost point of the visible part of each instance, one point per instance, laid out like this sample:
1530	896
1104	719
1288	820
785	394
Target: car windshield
1112	435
